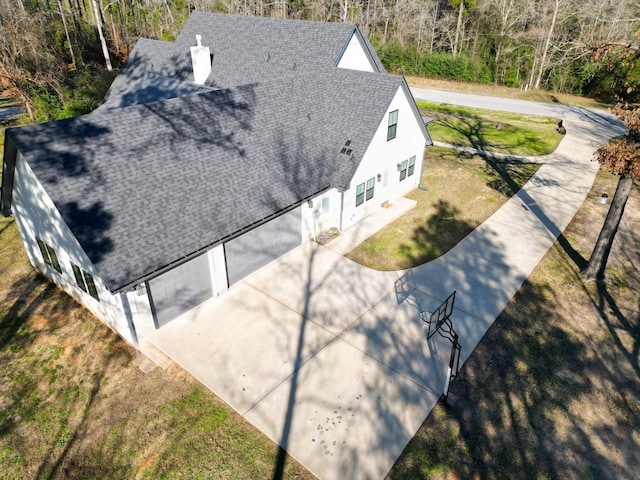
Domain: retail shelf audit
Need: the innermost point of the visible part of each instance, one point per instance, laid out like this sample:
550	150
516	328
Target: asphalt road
557	110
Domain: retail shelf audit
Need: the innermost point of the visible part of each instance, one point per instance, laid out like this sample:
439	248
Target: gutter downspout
129	316
8	173
341	207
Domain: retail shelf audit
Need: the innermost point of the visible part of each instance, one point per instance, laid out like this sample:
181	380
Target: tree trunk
458	27
366	19
434	22
66	33
598	261
547	44
99	26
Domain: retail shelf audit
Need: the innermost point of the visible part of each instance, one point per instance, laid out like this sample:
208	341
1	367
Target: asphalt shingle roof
144	186
245	49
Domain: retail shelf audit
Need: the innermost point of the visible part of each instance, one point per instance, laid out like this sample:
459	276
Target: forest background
58	57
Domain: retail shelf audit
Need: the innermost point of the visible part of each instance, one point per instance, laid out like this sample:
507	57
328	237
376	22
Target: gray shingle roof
245	50
144	186
148	89
251	47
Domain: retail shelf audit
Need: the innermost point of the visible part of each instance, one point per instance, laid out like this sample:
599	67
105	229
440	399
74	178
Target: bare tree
505	20
458	25
66	33
26	61
97	14
545	50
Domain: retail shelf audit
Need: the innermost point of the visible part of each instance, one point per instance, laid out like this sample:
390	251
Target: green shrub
46	104
512	78
82	93
408	60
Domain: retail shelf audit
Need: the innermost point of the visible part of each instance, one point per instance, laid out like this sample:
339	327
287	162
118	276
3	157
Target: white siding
141	315
37	216
382	157
324	214
218	270
354	56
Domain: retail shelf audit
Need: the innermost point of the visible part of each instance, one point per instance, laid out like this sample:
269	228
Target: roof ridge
328	73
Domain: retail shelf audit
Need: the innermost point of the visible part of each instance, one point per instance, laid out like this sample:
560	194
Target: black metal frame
440	321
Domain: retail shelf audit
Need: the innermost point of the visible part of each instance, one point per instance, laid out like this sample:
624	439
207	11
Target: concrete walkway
330	360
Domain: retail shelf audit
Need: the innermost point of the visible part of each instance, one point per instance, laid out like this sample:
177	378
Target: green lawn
462	191
504	132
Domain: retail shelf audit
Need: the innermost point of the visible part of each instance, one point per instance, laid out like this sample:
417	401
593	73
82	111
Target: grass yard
74	405
553	388
463	190
510	133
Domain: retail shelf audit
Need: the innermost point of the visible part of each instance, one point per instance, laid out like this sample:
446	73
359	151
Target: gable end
357	54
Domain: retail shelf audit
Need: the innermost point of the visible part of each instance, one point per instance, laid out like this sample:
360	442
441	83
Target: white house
210	157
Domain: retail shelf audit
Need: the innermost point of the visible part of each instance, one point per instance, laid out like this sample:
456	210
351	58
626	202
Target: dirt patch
553	389
145	463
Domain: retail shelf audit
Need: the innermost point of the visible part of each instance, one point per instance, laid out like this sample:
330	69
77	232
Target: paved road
557	110
330	360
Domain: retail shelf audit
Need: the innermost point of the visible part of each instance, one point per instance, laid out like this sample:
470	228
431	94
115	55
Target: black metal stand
440	322
454	366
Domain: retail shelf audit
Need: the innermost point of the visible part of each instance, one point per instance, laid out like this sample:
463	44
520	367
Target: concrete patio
330	359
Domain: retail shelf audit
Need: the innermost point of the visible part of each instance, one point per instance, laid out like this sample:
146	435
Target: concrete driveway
330	360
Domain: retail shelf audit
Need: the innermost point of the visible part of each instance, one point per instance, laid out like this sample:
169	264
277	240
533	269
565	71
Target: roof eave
156	273
416	112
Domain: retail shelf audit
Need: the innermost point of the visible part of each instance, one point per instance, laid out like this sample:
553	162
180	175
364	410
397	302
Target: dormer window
393	125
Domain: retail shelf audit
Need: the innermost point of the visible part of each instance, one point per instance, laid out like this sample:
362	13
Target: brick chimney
201	62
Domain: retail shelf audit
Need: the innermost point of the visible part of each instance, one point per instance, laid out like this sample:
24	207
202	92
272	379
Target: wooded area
55	55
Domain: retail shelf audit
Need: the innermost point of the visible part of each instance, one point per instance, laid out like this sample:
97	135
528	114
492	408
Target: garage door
256	248
181	289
